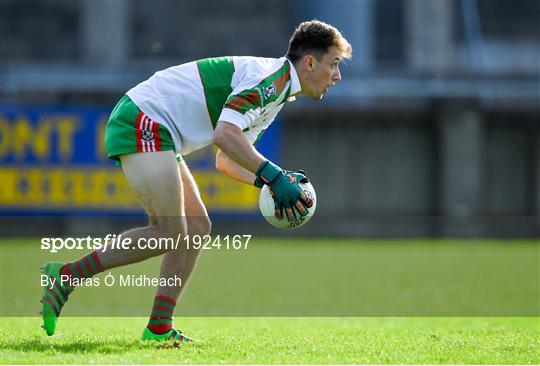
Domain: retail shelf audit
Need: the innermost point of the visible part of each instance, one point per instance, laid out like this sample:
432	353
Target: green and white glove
285	190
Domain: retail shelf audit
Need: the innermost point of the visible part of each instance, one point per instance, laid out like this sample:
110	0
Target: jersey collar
295	81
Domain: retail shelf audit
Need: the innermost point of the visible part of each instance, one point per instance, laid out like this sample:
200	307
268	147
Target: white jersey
190	99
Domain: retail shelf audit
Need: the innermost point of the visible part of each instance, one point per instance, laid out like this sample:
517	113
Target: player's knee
171	227
200	225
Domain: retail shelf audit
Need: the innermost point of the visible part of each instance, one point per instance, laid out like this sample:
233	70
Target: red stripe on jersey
281	86
242	102
254	97
237	102
138	131
232	107
157	137
281	82
281	78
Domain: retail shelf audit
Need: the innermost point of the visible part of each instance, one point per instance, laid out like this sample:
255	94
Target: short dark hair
316	37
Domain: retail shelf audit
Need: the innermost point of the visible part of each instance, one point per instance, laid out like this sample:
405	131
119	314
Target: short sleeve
242	109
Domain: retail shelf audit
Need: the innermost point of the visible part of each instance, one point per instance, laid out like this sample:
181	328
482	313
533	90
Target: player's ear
308	62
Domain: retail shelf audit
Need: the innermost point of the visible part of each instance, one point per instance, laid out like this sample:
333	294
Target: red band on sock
162	328
95	257
167	299
88	266
159	328
80	269
162	308
66	271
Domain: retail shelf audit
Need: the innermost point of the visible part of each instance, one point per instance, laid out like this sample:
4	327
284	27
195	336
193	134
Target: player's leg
128	131
156	180
152	175
179	263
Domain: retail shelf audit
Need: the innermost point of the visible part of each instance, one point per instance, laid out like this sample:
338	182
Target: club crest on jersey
147	135
269	90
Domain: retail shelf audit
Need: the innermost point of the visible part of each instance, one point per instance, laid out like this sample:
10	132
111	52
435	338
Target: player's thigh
156	180
197	216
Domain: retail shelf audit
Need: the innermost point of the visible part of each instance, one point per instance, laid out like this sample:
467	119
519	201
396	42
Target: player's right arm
229	138
243	112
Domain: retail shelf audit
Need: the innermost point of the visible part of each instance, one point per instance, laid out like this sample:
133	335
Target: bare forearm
231	141
227	166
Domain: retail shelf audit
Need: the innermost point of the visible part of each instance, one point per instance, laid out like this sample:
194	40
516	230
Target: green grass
279	340
309	277
345	301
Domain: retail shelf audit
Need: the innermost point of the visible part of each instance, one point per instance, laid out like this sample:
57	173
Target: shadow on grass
54	346
76	346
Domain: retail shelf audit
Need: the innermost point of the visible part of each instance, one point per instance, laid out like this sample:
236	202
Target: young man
228	101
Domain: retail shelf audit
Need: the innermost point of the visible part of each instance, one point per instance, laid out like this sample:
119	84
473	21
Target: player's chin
320	95
317	95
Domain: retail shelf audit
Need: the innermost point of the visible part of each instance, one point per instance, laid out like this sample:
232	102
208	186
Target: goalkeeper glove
285	190
299	174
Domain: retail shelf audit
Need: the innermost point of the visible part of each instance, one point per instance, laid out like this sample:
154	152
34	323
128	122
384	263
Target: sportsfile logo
110	241
119	242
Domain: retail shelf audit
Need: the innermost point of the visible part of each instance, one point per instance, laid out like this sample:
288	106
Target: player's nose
336	76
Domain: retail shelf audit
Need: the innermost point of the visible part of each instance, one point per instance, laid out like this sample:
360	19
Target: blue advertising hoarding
53	159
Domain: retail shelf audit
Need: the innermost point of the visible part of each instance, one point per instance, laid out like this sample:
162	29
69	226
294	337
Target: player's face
323	75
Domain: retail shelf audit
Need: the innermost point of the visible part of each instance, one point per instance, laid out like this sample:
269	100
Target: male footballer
227	101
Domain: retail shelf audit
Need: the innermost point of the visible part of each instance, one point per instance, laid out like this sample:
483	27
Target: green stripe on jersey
216	75
267	91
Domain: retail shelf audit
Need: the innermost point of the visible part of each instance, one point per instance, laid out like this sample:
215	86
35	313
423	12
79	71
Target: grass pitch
240	306
279	340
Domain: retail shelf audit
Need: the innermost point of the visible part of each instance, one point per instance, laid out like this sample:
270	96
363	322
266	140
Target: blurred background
434	130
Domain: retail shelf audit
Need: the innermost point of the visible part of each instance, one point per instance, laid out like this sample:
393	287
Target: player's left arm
234	170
